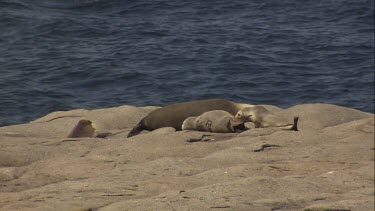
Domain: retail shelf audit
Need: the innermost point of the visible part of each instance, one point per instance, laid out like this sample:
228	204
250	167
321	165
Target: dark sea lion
174	115
263	118
217	121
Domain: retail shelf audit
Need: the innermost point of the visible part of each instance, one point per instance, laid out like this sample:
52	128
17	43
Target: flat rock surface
327	165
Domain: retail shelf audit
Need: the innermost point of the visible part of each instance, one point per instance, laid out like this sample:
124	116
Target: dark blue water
62	55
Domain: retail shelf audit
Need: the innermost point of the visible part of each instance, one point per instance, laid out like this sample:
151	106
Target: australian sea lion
262	117
174	115
86	128
217	121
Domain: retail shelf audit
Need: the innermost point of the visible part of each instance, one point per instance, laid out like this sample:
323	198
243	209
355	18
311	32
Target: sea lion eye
239	115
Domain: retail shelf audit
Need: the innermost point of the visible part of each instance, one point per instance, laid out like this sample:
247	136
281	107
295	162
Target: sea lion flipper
295	122
137	129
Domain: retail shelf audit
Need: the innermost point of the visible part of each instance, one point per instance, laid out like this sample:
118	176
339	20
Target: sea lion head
246	114
252	114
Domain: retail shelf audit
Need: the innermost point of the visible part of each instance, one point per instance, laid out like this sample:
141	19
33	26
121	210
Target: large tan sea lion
174	115
262	118
217	121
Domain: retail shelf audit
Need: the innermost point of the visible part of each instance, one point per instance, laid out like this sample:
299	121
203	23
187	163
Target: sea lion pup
262	118
174	115
217	121
86	128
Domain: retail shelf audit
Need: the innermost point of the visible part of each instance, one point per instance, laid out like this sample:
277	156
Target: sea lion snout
245	117
236	121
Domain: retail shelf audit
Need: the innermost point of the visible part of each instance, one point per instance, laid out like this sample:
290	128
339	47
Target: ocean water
68	54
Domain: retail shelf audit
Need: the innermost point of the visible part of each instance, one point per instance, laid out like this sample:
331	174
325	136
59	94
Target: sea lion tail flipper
295	123
136	130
